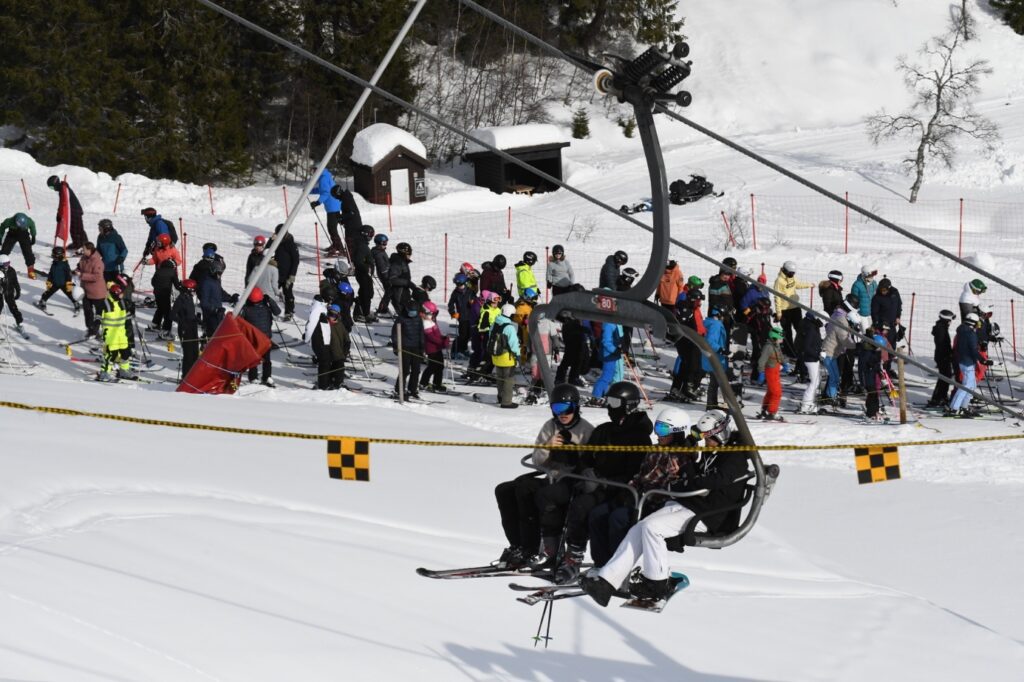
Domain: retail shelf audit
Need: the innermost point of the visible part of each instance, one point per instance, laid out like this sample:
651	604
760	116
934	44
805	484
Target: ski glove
314	204
786	368
988	363
823	355
760	379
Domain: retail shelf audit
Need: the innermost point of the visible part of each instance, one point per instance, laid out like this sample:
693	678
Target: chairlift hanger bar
522	164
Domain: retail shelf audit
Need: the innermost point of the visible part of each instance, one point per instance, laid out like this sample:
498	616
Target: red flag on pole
63	216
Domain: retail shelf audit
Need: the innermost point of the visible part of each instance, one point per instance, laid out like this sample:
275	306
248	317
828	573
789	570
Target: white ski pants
645	543
810	401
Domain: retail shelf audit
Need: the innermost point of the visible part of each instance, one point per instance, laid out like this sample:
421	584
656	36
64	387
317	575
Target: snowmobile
698	187
639	207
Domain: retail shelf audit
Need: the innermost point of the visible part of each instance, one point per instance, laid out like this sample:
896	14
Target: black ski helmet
499	262
730	262
621	257
53	182
58	252
404	248
428	283
529	258
106	224
622	398
557	250
564	395
380	239
368	232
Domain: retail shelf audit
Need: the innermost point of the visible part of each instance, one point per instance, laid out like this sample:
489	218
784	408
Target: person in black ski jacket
362	261
260	311
943	357
331	345
165	281
205	265
400	278
460	310
410	326
573	500
287	257
610	270
493	278
382	266
809	352
77	229
184	313
10	289
831	291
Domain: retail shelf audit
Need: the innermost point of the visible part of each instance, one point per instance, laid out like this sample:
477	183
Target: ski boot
106	377
31	272
597	588
569	570
269	382
128	374
41	304
78	309
511	558
643	587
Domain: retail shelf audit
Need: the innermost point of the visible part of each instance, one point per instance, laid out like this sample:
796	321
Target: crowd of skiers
489	315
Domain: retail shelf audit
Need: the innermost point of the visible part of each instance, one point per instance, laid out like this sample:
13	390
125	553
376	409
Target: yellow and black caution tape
471	444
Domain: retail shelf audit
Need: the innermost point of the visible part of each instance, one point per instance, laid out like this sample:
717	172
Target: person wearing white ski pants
645	543
809	403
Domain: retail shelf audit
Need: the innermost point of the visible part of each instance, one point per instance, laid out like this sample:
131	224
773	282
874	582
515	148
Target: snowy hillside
134	552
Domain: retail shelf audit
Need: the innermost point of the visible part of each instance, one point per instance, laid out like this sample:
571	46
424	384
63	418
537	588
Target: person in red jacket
434	348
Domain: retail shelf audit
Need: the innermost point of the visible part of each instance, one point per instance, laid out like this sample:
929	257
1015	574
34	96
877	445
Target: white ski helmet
986	308
854	319
867	271
972	318
671	420
714	423
4	259
343	267
789	266
747	272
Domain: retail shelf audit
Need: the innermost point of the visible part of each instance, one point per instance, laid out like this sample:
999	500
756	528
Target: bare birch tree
943	86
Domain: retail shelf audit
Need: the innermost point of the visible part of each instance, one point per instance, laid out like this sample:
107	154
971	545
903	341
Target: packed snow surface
138	552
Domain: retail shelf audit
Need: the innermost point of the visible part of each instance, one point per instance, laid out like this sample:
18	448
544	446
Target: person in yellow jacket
524	273
115	338
786	313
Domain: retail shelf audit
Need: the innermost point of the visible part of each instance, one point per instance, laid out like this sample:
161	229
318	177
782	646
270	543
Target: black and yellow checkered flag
348	459
877	463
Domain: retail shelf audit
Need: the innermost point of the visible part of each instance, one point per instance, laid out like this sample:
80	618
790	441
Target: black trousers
162	316
400	299
385	298
790	320
572	364
287	292
365	295
22	239
266	368
93	309
941	393
15	313
465	331
562	504
333	220
410	370
78	236
434	370
609	523
517	506
53	291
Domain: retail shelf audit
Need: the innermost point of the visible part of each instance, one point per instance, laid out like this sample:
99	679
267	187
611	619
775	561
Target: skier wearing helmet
287	257
525	279
560	277
970	298
459	304
382	265
185	314
788	314
432	378
259	311
648	542
770	366
157	226
21	230
400	278
115	364
516	499
610	270
493	279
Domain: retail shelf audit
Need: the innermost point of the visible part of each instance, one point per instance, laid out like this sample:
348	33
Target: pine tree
580	124
1013	13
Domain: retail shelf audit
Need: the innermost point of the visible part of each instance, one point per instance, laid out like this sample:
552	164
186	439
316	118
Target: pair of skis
550	593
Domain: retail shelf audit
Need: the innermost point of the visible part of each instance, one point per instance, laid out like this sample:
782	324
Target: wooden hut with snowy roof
389	165
538	144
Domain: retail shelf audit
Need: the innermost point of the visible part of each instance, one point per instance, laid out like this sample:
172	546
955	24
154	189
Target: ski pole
284	341
147	360
1002	357
322	224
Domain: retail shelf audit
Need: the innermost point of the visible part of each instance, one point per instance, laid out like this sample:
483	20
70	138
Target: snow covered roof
515	137
373	143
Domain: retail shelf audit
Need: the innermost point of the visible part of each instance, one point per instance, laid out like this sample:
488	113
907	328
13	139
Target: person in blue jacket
610	350
967	355
718	338
212	298
112	250
332	205
864	288
157	226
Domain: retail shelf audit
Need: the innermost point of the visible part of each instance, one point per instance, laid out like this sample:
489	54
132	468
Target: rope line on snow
472	444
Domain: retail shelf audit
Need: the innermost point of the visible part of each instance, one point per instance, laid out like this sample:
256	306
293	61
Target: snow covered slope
132	552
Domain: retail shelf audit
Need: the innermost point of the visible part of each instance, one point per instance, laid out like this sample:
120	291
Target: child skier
59	279
770	366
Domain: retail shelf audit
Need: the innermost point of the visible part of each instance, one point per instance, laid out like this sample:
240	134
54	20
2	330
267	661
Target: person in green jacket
19	229
524	273
115	338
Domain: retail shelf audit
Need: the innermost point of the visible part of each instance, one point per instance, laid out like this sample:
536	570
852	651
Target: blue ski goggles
560	408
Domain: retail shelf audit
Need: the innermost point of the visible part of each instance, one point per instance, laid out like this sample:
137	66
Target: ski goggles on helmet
663	429
614	402
564	407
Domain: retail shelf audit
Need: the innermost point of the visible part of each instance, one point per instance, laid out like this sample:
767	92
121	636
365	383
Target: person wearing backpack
503	349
